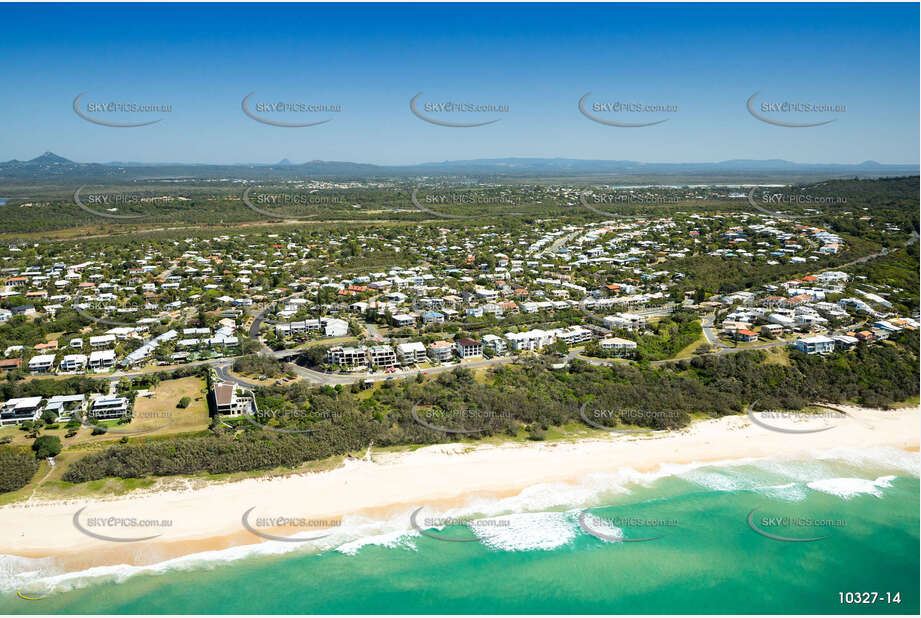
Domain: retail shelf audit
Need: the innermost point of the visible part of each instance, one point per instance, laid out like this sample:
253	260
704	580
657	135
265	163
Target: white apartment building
381	356
73	362
347	356
102	359
41	363
618	345
109	407
531	340
412	353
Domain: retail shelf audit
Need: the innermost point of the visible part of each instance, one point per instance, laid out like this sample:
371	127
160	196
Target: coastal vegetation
302	423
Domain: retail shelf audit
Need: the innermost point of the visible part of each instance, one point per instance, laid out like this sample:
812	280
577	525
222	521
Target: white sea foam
541	517
607	531
791	492
847	488
528	532
882	459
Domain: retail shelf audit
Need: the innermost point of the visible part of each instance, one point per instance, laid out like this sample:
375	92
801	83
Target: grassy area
159	414
253	378
777	356
689	350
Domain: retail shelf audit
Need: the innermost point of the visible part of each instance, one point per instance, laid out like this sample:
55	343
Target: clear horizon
234	163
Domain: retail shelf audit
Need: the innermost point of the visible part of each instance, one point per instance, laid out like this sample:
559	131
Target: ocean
704	538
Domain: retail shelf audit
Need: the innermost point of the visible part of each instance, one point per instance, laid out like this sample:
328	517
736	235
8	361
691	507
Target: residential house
746	335
73	363
496	344
819	344
10	364
433	317
404	320
531	340
468	348
65	407
230	400
102	359
41	363
440	351
15	411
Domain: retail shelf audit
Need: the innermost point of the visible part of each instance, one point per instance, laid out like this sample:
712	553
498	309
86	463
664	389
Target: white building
66	406
73	362
625	321
229	400
496	344
617	345
15	411
441	351
347	356
573	335
468	348
412	353
818	344
102	359
41	363
381	356
531	340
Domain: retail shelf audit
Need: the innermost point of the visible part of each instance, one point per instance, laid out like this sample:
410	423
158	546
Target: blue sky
538	59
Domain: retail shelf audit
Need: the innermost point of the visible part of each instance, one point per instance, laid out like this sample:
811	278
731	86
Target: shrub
17	468
46	446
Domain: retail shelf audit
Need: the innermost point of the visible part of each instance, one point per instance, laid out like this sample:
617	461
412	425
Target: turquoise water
707	559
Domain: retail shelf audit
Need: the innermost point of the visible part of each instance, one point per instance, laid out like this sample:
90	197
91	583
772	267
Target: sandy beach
212	518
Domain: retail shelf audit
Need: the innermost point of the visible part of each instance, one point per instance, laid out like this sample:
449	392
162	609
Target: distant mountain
50	166
49	158
512	165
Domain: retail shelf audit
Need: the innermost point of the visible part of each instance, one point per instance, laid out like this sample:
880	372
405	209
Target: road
556	244
709	334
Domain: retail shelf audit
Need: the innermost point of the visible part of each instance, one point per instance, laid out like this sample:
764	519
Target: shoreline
442	476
